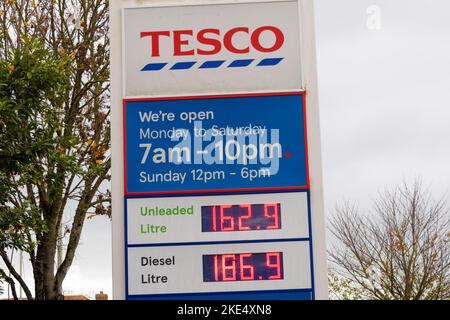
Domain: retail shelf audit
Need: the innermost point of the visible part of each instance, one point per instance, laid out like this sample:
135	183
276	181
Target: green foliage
4	279
54	132
31	85
16	223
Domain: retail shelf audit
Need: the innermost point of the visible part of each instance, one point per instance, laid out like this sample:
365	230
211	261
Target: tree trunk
38	276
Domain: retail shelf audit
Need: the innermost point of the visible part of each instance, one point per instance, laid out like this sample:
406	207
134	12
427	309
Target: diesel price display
243	217
243	267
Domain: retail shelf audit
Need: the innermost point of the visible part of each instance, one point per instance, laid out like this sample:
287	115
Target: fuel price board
216	182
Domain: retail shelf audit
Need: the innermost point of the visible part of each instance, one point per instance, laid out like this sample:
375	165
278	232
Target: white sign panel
266	266
240	47
217	218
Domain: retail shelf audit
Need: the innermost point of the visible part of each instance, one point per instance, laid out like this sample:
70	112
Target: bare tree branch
398	251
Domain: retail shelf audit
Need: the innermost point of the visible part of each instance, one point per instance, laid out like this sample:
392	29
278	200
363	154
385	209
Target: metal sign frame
309	85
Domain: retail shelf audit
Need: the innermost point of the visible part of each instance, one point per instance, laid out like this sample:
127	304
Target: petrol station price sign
217	198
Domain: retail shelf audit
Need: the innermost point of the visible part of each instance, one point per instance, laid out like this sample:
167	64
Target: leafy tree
341	288
31	84
398	251
54	131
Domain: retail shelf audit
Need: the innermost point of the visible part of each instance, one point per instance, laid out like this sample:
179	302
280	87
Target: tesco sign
241	46
214	39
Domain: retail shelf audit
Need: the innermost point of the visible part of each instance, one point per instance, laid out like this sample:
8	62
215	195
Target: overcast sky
385	112
384	96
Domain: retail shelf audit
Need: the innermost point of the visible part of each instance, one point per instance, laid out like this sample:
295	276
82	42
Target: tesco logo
182	40
210	42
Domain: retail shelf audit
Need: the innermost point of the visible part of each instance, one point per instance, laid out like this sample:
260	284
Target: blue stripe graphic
183	65
270	62
212	64
241	63
154	66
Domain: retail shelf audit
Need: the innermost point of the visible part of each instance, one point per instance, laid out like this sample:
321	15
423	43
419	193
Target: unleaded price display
242	217
218	218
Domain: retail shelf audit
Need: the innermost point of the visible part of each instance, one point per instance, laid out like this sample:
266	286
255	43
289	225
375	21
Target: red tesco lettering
212	42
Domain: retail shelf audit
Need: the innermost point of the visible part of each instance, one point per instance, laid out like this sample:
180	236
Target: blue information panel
215	144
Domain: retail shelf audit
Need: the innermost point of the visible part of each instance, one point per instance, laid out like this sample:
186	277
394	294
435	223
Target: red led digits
216	268
271	211
248	209
243	267
250	274
229	267
226	218
273	260
214	219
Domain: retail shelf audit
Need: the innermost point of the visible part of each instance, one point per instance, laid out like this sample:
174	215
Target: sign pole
117	181
235	225
315	152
